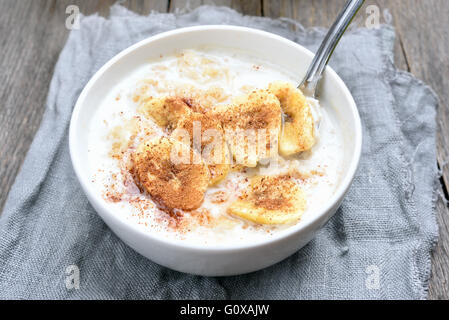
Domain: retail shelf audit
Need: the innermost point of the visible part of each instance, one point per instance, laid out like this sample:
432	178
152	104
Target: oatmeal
213	146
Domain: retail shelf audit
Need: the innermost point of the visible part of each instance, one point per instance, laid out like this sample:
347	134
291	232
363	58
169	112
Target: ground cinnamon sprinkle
219	197
113	197
271	193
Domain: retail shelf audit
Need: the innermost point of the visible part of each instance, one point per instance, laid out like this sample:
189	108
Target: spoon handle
310	82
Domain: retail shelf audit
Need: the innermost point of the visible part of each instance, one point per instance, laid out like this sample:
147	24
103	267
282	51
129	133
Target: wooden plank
424	41
248	7
145	7
27	67
32	34
323	13
439	281
423	38
308	13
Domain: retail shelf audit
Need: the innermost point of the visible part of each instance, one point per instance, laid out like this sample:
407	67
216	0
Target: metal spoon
313	76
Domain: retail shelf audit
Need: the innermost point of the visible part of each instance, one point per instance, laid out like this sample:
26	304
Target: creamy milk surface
216	75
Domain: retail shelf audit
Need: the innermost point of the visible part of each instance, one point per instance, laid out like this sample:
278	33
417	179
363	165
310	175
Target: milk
234	73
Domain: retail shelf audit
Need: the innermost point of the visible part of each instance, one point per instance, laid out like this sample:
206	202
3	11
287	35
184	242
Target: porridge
213	146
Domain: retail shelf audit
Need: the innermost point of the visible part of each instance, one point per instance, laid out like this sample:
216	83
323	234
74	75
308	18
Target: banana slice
270	200
252	125
298	130
205	134
166	111
164	168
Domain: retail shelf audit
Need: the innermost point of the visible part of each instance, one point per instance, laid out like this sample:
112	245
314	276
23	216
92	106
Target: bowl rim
320	215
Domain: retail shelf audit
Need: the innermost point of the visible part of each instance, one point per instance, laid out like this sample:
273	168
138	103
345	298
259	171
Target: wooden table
32	34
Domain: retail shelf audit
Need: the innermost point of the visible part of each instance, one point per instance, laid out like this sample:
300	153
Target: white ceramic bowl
218	260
